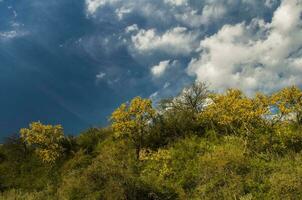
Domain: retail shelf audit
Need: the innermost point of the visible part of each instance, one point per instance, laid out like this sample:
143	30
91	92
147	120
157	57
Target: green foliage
195	169
21	195
173	125
20	166
89	140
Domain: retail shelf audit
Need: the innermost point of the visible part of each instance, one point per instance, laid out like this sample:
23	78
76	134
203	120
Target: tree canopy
131	120
45	139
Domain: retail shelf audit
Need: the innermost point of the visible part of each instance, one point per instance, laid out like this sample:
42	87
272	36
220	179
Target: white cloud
176	41
7	35
120	12
270	3
160	69
131	28
257	56
100	75
166	11
93	5
176	2
240	53
210	13
213	11
287	16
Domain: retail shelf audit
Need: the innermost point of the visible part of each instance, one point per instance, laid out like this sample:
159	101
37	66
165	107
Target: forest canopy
196	145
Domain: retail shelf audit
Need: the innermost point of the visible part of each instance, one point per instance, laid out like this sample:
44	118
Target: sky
72	62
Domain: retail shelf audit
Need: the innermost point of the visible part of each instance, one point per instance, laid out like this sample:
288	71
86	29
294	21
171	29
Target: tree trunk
137	151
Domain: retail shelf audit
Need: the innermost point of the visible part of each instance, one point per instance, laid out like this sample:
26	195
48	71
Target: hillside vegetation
197	145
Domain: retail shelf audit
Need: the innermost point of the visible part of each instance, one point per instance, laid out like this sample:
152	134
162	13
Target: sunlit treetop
45	139
235	110
289	102
132	117
131	121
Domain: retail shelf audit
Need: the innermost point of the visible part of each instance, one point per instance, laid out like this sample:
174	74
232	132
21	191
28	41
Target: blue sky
73	61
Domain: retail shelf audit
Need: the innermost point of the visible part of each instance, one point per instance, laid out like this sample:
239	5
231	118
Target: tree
132	120
288	102
192	98
45	139
234	111
179	115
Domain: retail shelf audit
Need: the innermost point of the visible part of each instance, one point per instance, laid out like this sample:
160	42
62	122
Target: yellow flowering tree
234	111
289	103
45	139
131	121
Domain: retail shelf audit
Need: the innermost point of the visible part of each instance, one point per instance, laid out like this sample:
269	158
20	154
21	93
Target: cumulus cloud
251	44
255	56
160	69
176	41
